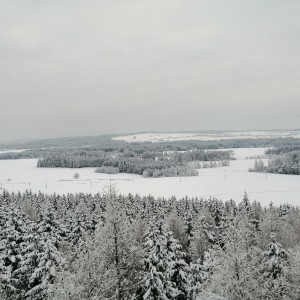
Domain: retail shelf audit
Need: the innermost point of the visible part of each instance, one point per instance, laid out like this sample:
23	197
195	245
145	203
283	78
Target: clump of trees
111	246
282	150
174	171
147	163
107	170
259	166
284	161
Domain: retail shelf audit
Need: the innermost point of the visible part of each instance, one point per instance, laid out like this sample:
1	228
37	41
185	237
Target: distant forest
111	246
180	158
106	142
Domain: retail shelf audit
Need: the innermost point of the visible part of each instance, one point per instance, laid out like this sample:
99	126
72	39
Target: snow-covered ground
223	183
163	137
12	151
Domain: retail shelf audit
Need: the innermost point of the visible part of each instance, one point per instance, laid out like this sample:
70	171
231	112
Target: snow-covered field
164	137
223	183
12	151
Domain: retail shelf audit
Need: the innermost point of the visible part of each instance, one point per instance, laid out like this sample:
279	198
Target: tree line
41	148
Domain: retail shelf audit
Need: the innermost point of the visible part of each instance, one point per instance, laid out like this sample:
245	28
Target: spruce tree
156	284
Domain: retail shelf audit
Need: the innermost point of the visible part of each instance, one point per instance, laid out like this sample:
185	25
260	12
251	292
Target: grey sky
92	67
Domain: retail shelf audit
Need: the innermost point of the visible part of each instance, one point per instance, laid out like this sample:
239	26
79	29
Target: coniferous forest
112	246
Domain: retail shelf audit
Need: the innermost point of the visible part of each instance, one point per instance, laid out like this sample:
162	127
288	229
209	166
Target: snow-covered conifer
13	241
109	266
156	283
177	268
235	269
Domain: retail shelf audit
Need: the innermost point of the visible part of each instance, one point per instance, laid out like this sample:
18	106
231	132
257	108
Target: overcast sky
71	68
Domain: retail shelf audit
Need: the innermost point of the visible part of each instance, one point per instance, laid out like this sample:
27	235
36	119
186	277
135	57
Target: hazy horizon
3	142
77	68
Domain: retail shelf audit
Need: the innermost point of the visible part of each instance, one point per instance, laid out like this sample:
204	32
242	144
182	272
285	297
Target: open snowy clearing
171	137
224	182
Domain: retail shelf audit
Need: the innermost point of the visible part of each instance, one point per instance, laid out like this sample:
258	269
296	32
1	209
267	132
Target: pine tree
176	225
204	237
177	269
274	258
245	206
109	266
291	278
273	281
270	224
156	284
13	241
199	273
236	267
42	256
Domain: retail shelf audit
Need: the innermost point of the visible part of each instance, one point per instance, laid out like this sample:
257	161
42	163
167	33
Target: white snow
163	137
224	182
12	151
